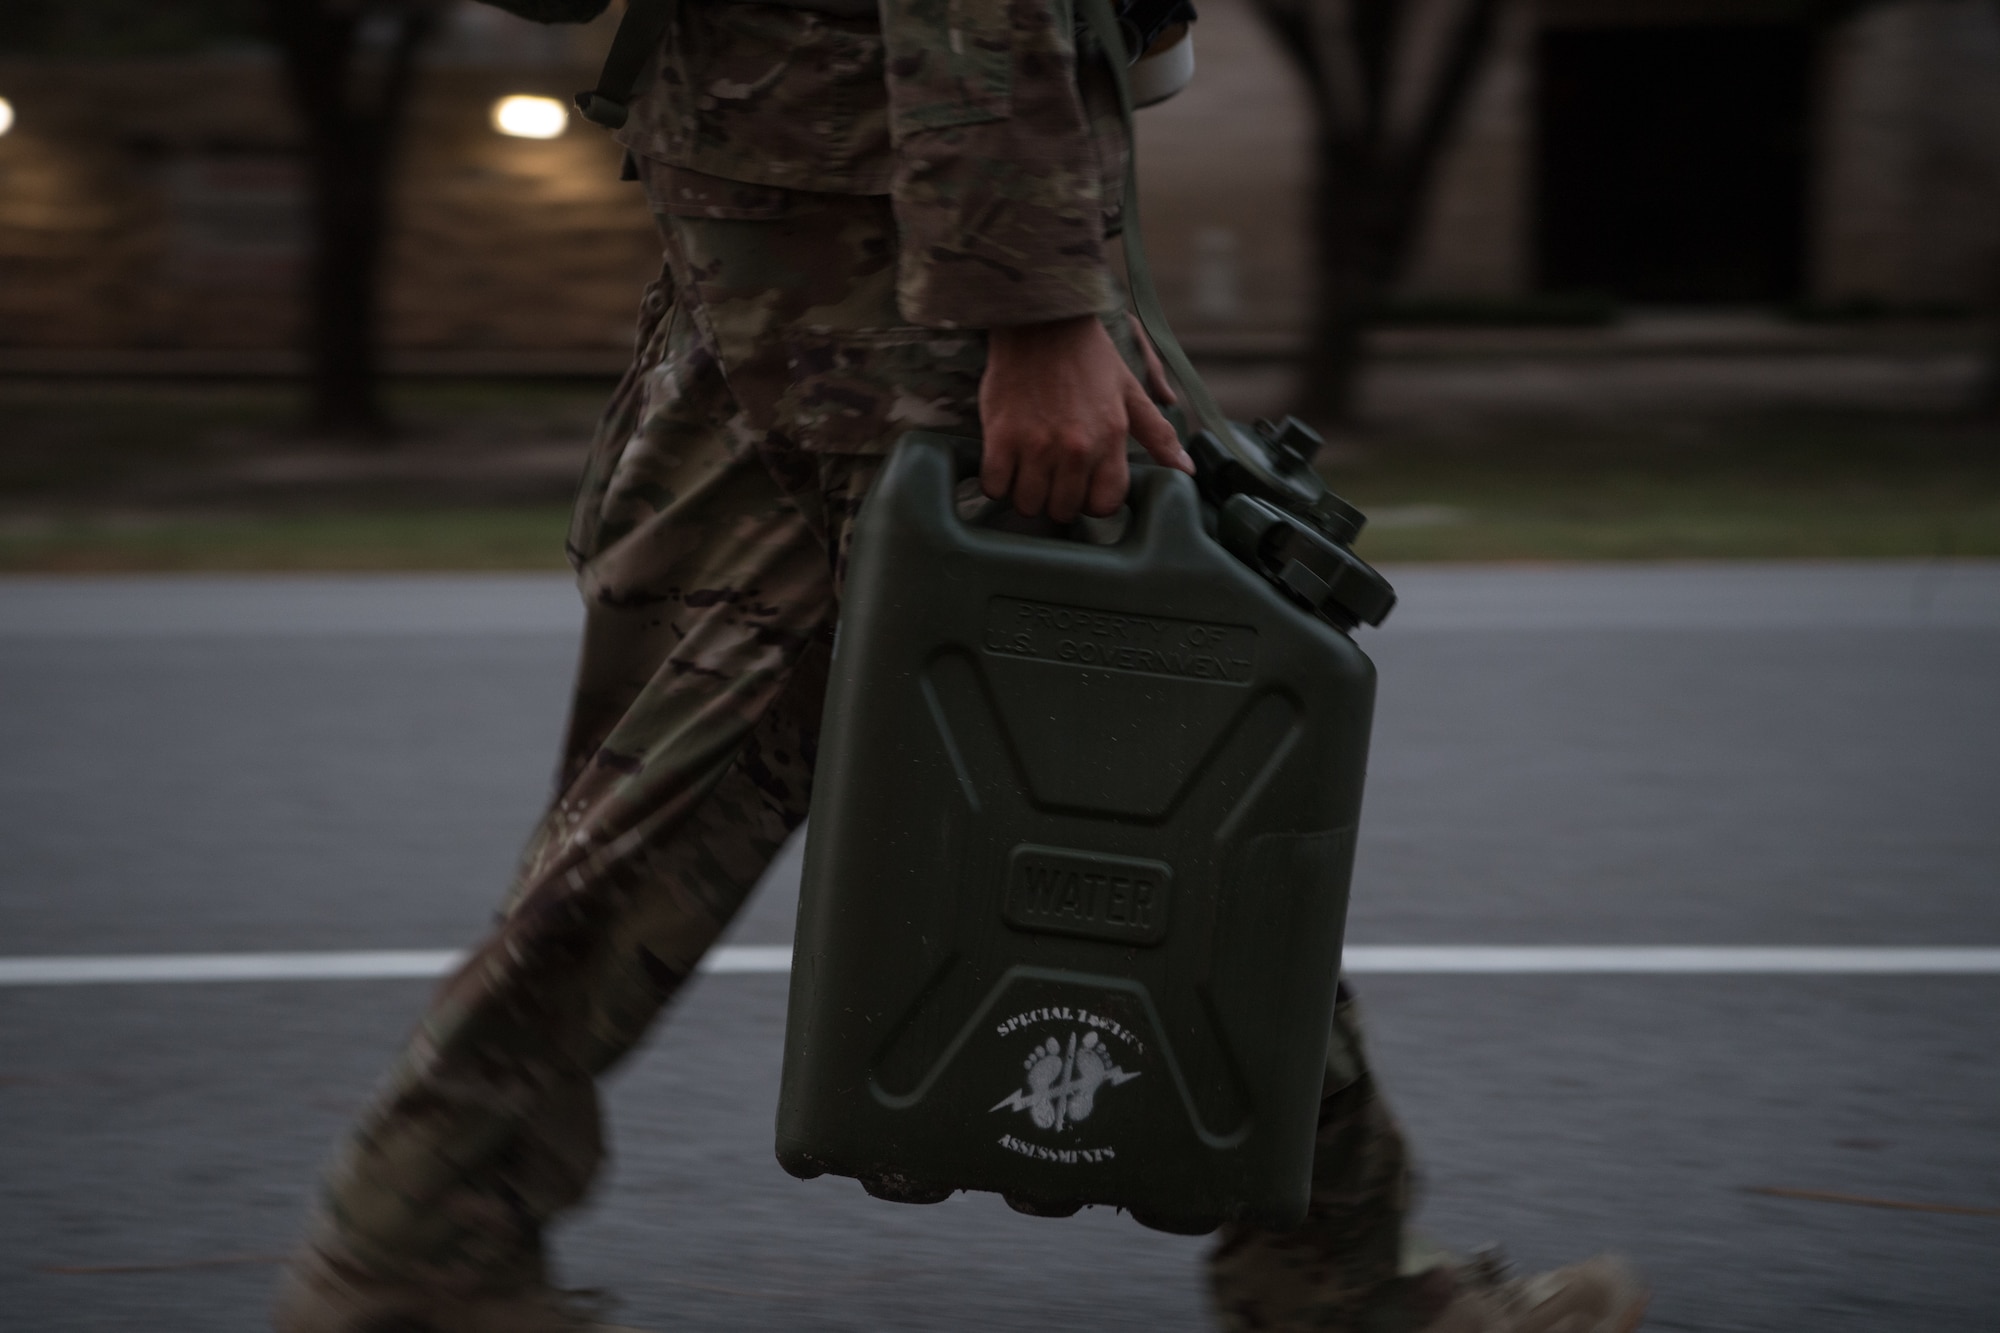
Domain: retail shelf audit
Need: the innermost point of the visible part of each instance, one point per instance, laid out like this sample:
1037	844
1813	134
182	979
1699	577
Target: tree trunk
1361	220
350	68
349	187
1372	177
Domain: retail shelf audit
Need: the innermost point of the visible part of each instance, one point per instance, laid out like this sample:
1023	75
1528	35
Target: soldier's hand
1056	404
1157	384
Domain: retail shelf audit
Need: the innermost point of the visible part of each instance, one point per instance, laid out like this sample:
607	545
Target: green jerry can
1077	869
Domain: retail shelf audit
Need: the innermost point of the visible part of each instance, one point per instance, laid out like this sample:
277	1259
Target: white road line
1373	960
1744	959
749	958
118	969
370	965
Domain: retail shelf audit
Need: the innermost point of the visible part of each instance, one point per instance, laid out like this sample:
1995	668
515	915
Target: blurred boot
1600	1295
1348	1252
318	1296
1350	1267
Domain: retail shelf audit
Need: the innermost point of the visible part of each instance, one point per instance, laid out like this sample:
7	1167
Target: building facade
1730	151
1655	152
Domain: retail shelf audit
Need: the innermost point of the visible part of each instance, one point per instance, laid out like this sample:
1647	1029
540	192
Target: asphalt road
1666	755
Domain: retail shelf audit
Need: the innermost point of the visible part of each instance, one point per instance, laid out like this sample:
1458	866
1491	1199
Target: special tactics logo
1070	1067
1063	1084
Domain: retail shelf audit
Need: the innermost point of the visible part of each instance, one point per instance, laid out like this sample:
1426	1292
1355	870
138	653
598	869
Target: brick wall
161	205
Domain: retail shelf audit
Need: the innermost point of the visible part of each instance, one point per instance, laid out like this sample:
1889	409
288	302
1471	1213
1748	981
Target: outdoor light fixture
6	115
527	117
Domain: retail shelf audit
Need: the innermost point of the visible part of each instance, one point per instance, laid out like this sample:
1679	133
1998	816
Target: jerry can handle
1155	507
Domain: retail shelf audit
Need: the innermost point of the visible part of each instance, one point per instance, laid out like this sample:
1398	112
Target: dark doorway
1673	161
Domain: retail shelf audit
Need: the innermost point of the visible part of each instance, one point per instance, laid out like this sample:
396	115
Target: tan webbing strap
1145	297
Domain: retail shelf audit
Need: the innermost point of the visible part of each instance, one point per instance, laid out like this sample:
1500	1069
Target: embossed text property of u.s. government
1120	640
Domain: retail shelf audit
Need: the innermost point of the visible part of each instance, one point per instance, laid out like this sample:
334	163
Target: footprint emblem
1063	1081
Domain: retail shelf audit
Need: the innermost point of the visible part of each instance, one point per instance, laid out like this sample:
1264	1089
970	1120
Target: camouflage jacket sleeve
1008	170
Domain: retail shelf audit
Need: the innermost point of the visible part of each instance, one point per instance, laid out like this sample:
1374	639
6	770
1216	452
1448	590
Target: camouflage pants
711	537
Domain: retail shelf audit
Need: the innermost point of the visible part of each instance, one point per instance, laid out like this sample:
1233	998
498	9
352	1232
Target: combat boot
318	1296
1599	1295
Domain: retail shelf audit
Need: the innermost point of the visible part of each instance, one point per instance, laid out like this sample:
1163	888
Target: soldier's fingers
1031	483
1073	468
1108	484
996	464
1153	432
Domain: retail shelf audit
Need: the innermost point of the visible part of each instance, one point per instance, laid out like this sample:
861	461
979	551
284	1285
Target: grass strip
1445	525
444	538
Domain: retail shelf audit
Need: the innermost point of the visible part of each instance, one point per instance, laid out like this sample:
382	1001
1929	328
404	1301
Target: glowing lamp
6	115
527	117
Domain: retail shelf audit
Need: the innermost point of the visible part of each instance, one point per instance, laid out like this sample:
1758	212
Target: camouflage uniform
843	208
1003	170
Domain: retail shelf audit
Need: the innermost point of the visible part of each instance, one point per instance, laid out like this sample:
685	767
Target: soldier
870	224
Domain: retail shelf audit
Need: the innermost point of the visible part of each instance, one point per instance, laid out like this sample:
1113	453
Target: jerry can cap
1278	517
1323	575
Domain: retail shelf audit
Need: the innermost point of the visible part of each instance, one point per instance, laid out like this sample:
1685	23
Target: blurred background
1565	278
1660	340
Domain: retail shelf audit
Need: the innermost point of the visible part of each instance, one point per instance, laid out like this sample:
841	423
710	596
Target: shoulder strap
645	22
1104	28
